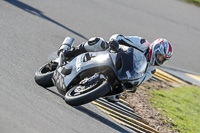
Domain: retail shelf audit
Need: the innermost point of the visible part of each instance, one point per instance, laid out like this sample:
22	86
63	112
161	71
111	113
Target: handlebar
60	58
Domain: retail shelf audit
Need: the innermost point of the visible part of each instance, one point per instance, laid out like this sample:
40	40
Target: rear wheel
87	90
43	76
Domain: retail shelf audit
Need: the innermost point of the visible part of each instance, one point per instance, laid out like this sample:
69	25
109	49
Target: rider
156	53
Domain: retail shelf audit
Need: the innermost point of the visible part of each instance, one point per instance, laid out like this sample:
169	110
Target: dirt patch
140	102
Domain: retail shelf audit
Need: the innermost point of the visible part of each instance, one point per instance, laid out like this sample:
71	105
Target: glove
68	53
153	71
114	45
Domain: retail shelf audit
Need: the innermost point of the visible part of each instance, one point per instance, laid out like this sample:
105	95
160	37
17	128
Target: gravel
141	104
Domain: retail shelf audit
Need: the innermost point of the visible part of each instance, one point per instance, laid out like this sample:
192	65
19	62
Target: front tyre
43	76
84	93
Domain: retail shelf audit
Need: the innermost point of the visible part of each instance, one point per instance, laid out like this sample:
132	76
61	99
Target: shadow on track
101	119
39	13
94	115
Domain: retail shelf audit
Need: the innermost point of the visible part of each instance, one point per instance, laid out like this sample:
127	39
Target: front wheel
87	92
43	76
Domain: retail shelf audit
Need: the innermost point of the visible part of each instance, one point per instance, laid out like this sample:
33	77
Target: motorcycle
92	75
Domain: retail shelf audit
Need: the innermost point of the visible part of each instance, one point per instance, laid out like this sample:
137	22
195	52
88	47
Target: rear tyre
43	77
82	94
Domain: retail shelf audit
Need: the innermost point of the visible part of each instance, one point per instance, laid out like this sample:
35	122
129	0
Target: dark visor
160	58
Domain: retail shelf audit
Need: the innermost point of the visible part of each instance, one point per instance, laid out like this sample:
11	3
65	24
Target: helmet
96	44
160	51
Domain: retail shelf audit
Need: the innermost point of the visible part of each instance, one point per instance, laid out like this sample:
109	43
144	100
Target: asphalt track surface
32	29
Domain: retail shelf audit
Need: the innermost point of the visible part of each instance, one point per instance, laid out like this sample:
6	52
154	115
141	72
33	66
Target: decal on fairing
78	63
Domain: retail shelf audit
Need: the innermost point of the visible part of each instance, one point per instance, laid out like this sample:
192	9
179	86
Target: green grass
196	2
181	105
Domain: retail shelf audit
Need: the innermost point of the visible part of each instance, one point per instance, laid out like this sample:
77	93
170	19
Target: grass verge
196	2
181	106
